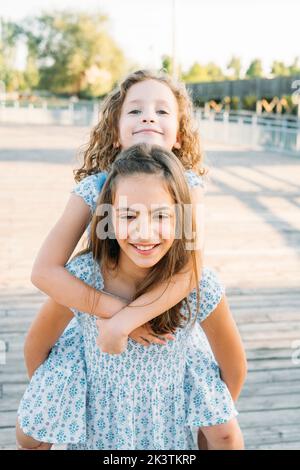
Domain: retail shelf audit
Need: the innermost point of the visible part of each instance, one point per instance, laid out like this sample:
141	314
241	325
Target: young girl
150	108
141	398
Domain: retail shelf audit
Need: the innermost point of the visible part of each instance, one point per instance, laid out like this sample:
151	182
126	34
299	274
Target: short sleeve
193	179
211	293
84	268
89	188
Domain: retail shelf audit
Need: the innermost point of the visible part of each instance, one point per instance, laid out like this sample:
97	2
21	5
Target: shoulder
211	291
210	283
89	188
84	267
193	179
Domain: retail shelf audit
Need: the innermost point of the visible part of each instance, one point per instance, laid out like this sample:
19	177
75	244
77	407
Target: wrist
108	305
120	325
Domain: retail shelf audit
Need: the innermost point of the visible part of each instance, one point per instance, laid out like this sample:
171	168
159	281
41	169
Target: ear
116	145
177	144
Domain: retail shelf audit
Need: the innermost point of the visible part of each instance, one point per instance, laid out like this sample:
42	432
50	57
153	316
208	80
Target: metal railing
267	131
71	113
274	132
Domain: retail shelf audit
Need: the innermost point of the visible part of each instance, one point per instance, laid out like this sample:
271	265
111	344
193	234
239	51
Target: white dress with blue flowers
144	398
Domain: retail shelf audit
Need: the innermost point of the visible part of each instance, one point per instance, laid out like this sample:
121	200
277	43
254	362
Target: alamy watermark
160	222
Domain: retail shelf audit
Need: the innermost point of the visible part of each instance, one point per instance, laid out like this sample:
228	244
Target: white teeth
144	248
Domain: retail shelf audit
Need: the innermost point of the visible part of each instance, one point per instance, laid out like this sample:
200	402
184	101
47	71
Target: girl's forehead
142	188
150	90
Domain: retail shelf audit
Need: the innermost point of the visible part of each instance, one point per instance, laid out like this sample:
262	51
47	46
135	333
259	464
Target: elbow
36	276
40	278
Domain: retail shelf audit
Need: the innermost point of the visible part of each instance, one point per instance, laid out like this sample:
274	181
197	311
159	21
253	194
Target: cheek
121	229
167	229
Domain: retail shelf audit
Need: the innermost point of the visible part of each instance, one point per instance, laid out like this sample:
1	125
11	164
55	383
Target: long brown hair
101	152
147	159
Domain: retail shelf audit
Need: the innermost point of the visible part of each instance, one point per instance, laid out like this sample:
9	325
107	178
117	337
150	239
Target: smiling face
149	114
144	221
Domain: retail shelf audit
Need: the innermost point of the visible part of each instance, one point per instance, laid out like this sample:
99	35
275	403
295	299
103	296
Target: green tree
294	69
9	36
167	64
255	69
31	73
235	66
74	53
203	73
279	69
214	72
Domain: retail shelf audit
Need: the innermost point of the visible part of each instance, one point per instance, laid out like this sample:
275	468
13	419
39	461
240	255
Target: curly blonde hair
101	151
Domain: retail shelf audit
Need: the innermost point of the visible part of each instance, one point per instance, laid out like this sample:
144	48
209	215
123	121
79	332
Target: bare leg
25	442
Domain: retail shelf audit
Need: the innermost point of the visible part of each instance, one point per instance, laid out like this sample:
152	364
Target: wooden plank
273	402
271	435
272	343
278	446
8	403
265	364
268	353
14	390
270	330
267	376
271	388
7	437
267	418
8	419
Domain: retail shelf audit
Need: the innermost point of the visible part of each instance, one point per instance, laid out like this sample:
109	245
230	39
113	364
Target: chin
150	139
145	263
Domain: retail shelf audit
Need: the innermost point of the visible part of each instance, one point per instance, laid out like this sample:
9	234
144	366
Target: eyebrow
127	209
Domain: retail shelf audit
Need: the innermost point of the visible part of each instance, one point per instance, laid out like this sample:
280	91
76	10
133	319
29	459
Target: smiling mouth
147	131
144	249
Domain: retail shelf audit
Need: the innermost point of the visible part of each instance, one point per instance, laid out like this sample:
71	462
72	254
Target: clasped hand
113	340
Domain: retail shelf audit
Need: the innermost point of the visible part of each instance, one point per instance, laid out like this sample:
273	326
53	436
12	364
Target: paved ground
252	240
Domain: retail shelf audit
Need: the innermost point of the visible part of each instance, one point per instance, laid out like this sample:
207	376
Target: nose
148	115
148	120
143	229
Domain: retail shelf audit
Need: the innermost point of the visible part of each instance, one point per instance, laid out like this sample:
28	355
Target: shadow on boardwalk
252	240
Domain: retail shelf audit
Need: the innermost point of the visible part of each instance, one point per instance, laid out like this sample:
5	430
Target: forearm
153	303
34	356
234	381
72	292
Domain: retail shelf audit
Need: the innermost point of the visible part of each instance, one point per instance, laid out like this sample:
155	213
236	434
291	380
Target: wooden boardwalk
252	240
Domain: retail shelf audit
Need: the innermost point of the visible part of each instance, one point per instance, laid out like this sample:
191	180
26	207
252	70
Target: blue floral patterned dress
144	398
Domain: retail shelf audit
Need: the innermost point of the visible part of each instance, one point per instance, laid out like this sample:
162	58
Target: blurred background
240	62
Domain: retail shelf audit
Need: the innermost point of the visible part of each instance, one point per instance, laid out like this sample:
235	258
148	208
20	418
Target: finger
163	337
156	339
168	336
143	341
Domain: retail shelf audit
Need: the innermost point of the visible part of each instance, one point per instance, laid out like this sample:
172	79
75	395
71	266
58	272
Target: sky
205	30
